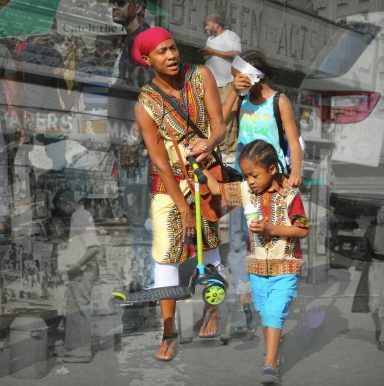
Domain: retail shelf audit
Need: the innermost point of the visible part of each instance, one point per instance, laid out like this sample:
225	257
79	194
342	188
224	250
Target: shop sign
289	38
83	17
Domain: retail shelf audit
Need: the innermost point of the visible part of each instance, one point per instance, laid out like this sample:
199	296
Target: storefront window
77	184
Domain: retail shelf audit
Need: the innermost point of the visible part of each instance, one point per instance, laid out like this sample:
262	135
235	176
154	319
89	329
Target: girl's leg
281	290
272	343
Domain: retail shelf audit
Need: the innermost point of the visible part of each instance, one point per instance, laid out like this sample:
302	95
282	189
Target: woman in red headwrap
164	132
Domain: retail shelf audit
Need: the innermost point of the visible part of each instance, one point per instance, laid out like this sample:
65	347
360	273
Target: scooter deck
151	295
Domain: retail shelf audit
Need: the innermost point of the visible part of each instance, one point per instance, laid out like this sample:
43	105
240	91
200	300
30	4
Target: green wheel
118	297
214	294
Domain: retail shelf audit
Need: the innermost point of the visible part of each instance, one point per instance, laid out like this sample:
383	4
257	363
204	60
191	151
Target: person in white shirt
221	47
80	264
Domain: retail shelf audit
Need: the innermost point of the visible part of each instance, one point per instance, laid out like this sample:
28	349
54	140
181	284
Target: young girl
256	116
274	260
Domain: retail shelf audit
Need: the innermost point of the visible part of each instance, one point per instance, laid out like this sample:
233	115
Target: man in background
123	93
221	47
130	14
8	100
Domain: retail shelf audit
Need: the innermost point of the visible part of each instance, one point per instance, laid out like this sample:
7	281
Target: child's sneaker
270	376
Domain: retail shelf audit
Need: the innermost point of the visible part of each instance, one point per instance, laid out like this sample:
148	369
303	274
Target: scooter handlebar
197	170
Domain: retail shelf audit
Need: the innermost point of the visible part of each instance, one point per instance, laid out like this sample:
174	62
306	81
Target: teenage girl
274	260
256	117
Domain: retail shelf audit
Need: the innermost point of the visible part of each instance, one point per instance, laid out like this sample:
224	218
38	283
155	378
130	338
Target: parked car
343	93
344	90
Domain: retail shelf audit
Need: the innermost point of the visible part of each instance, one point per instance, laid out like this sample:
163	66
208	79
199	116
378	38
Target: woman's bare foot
210	325
167	349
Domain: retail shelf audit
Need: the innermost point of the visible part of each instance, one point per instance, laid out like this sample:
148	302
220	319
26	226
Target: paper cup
252	216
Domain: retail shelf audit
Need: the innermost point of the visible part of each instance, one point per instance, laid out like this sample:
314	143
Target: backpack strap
276	112
240	99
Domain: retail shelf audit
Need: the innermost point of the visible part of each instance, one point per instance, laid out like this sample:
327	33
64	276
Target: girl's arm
159	157
212	184
240	82
230	103
202	148
293	139
278	230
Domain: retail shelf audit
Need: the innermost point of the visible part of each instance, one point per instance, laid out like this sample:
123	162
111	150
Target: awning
27	17
35	17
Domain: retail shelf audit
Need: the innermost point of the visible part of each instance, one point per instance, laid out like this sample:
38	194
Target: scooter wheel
214	294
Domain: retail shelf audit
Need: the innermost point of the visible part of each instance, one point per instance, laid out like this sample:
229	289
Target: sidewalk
324	344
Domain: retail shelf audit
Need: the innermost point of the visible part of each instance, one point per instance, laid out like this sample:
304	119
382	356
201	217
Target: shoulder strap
276	113
183	115
179	156
240	99
178	109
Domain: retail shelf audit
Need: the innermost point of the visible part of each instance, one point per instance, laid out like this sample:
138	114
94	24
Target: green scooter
214	285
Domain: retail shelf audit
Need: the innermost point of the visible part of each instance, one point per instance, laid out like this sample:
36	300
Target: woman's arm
159	157
202	148
293	139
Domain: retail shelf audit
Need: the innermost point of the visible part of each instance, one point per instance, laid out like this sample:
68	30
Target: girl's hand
240	82
261	227
295	180
188	223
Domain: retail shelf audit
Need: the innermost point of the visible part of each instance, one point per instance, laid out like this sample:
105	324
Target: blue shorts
272	296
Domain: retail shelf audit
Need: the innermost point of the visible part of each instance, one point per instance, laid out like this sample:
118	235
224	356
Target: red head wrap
146	41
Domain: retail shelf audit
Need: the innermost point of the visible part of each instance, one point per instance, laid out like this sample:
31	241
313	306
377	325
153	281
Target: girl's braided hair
263	153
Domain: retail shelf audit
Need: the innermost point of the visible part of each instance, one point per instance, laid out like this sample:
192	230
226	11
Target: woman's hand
201	149
295	180
188	224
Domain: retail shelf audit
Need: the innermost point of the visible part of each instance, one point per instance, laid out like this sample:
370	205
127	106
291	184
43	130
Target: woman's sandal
171	344
206	318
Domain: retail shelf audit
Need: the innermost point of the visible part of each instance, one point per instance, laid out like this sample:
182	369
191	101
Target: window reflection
67	95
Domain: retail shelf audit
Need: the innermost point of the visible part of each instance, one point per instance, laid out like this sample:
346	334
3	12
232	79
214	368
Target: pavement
323	344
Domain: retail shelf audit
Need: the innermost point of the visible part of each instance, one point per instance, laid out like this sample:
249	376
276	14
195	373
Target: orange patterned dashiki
167	244
270	256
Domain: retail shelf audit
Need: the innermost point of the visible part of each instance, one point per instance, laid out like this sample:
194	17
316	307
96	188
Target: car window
343	50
